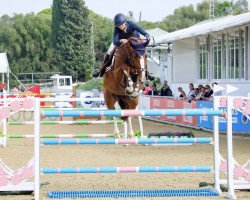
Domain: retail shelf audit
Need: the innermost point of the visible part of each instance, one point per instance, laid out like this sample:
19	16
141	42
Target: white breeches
111	47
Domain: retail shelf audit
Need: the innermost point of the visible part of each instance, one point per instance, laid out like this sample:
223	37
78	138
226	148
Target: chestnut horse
122	80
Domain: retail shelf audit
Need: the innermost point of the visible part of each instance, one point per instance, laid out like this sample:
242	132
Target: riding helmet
119	19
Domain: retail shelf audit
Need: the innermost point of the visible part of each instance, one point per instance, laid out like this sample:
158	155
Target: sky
152	10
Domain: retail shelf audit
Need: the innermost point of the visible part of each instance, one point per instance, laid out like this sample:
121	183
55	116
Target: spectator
153	91
165	90
182	93
192	93
200	94
199	87
147	89
141	91
217	93
208	92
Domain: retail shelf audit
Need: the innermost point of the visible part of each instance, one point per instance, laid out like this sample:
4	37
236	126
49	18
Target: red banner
169	103
158	103
172	104
188	120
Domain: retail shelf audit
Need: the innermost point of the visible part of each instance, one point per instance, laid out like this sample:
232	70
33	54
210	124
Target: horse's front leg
116	130
130	85
131	132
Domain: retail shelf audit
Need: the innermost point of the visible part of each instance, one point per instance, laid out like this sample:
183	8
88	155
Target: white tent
205	27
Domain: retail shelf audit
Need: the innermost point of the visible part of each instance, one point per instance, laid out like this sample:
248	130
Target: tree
186	16
240	6
183	17
25	38
147	25
56	21
103	34
71	38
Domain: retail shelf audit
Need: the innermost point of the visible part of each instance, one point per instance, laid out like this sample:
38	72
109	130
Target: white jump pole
37	148
230	161
4	120
216	147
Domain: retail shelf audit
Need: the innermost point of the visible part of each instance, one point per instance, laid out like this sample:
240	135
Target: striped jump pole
76	170
84	122
127	113
67	99
77	135
128	141
69	108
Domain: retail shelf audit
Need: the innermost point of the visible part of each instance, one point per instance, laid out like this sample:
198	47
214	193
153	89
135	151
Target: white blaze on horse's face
142	65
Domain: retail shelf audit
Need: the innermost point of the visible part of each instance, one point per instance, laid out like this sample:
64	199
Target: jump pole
4	120
230	160
126	113
82	122
127	141
37	148
66	135
144	169
216	147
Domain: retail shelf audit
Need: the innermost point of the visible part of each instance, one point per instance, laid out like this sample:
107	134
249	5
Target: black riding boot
101	71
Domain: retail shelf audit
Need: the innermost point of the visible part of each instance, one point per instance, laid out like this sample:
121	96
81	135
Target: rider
123	30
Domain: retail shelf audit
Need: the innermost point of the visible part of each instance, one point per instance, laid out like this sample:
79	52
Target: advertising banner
158	103
187	120
241	123
172	104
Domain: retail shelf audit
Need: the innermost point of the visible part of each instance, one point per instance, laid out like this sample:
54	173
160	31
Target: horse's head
139	61
130	65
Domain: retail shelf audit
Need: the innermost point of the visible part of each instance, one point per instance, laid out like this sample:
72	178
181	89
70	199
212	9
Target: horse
122	80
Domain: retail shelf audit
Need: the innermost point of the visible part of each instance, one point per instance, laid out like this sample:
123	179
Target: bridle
131	58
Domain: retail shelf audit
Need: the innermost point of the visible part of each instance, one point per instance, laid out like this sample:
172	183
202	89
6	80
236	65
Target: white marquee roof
205	27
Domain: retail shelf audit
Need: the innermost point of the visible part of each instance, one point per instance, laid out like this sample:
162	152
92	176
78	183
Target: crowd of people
204	93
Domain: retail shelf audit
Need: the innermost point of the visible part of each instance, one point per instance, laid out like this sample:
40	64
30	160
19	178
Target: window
217	57
203	56
61	82
228	56
67	81
236	41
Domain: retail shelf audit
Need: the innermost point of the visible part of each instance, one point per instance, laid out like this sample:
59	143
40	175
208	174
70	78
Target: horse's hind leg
116	130
110	103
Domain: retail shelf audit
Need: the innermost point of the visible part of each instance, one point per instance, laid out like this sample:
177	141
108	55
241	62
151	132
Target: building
156	61
216	50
